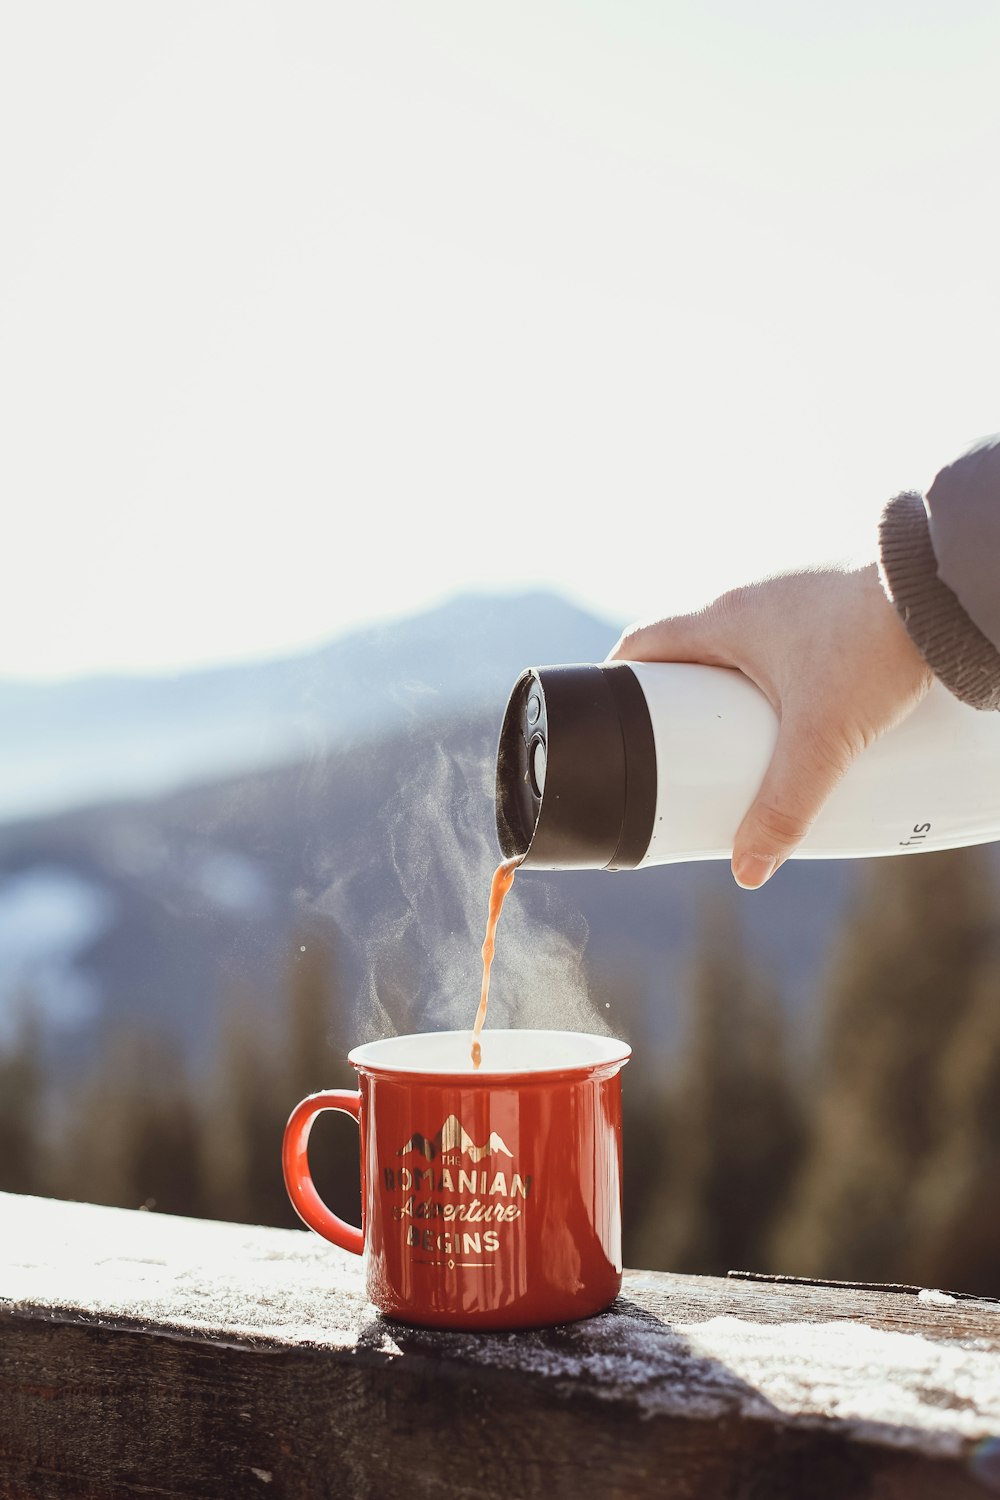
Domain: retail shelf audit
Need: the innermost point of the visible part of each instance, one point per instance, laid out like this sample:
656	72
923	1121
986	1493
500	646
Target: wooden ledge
146	1355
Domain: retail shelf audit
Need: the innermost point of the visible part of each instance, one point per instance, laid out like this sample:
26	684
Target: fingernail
752	870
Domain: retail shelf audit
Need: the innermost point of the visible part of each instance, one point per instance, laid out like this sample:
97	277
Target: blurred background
353	358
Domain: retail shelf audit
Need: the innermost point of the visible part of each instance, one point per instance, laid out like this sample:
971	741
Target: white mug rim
603	1052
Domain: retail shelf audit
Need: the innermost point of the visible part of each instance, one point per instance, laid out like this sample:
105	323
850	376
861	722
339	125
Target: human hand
834	659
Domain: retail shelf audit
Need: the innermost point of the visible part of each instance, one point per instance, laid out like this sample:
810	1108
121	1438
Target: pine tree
649	1130
956	1231
260	1079
134	1134
315	1058
240	1120
734	1122
901	986
22	1168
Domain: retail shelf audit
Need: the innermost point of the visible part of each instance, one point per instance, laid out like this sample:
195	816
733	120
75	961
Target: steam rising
418	911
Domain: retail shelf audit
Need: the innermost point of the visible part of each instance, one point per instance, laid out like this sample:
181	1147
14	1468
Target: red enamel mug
490	1197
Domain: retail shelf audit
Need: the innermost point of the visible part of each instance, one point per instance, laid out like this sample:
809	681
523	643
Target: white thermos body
645	763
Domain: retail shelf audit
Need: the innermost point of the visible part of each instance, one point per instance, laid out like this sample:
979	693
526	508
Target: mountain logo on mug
453	1137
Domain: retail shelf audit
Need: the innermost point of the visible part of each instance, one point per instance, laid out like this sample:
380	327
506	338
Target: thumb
695	637
805	768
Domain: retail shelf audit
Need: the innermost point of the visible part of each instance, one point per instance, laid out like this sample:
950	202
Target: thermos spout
576	769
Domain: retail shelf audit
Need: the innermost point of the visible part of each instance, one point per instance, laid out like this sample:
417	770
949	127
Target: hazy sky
314	314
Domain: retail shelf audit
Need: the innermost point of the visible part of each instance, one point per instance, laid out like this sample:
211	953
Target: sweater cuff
953	647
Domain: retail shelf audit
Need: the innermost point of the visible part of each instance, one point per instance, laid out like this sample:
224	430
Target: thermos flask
646	763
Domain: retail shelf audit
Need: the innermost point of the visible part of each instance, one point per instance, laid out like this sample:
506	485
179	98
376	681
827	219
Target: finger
804	769
694	637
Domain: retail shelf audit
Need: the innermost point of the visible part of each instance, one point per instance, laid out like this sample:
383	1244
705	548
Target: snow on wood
700	1371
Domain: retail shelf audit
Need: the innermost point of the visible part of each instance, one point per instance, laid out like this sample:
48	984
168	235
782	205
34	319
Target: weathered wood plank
149	1356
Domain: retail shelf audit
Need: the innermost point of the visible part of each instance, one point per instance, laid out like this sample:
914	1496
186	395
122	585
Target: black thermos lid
576	769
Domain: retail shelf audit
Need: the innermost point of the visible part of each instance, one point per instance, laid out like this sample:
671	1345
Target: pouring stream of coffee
503	879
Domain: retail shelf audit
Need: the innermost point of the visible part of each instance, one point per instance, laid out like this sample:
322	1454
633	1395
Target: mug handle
295	1163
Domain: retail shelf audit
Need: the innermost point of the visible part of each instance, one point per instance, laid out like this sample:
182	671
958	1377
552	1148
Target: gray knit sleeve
940	565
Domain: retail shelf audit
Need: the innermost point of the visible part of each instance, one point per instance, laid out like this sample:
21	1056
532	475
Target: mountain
453	1137
67	744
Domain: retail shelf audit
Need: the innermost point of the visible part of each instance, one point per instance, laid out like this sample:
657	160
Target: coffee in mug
490	1196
